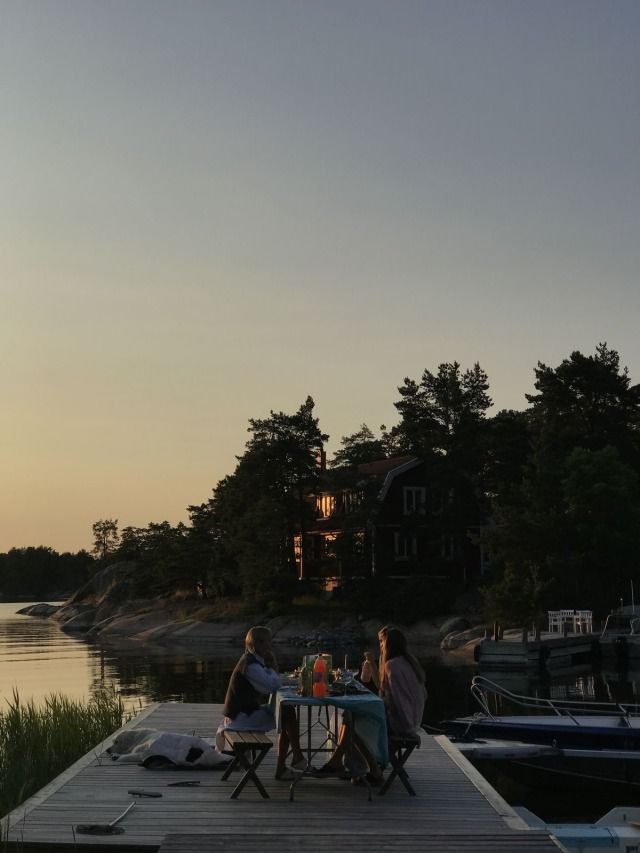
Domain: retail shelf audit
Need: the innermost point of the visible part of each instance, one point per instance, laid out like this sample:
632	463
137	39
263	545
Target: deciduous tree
105	537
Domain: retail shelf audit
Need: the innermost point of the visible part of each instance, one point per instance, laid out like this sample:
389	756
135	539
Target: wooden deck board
456	843
452	802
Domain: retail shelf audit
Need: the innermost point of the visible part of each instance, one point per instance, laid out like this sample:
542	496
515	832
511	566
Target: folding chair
400	748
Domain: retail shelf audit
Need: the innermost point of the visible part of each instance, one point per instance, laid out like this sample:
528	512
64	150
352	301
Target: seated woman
401	685
245	709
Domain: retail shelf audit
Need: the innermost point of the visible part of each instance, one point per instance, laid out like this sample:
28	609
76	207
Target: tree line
550	492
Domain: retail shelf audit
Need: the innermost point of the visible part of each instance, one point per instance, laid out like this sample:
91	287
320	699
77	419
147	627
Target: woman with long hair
402	684
246	708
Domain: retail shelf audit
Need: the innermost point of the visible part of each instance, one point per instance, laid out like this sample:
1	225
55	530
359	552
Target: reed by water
39	742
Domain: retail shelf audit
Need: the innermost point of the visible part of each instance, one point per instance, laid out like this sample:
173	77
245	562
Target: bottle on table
320	678
306	679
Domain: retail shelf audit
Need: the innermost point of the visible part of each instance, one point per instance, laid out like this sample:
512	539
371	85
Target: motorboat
558	744
557	723
620	637
619	829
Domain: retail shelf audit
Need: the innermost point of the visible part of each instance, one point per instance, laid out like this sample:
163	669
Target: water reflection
37	658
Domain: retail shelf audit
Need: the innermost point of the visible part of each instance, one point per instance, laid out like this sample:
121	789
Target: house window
329	543
297	551
325	506
447	547
414	499
404	546
351	501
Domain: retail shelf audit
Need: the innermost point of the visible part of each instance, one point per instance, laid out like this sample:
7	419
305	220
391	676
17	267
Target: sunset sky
213	209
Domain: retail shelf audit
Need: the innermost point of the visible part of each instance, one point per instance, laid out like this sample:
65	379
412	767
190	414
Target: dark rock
43	610
453	624
456	639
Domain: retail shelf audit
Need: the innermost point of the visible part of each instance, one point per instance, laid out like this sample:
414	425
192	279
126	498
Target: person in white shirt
245	706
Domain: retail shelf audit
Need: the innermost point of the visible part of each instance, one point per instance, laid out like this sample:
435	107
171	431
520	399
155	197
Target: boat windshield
484	690
622	624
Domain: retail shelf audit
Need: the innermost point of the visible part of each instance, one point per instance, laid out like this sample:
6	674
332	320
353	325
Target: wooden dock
455	809
550	652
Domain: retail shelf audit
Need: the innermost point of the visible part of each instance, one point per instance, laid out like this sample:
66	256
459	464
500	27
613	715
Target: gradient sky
212	209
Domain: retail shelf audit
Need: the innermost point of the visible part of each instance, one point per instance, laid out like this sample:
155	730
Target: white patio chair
584	621
568	617
555	625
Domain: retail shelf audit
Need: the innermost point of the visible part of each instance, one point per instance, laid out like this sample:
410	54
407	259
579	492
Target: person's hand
270	660
366	673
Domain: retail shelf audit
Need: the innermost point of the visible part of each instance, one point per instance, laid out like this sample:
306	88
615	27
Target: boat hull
564	772
614	733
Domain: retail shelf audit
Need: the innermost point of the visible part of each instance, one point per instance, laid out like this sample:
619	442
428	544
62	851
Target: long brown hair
395	645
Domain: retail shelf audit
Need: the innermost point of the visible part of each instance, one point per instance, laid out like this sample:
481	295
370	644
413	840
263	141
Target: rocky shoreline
104	609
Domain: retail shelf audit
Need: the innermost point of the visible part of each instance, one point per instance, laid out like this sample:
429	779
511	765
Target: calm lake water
37	659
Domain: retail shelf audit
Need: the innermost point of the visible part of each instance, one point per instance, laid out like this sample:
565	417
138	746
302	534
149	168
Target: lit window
414	499
329	543
325	506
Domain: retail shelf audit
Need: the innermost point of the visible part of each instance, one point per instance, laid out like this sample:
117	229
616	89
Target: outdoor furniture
555	625
584	621
248	750
568	620
400	748
367	712
576	621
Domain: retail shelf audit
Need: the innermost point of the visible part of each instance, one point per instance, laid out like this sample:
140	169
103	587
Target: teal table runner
368	713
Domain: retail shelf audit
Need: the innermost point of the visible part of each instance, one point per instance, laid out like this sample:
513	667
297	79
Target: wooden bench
400	748
248	750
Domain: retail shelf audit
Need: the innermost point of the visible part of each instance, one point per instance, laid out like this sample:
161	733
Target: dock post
525	636
496	630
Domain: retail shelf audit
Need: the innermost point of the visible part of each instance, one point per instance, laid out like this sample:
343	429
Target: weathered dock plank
452	800
453	843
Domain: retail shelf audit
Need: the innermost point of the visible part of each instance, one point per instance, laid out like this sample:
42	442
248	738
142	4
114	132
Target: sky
209	210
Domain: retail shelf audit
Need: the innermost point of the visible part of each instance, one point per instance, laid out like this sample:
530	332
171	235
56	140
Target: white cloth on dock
151	746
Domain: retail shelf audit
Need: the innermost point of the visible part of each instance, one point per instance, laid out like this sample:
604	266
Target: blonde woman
245	706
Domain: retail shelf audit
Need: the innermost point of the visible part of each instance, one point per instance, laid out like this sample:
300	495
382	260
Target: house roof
400	468
382	467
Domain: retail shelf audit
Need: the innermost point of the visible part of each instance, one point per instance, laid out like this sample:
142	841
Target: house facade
367	520
382	519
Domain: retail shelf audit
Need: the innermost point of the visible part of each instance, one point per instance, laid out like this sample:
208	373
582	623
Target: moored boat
557	723
619	829
563	744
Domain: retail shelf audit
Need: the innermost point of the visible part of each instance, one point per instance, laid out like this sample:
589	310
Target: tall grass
38	743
